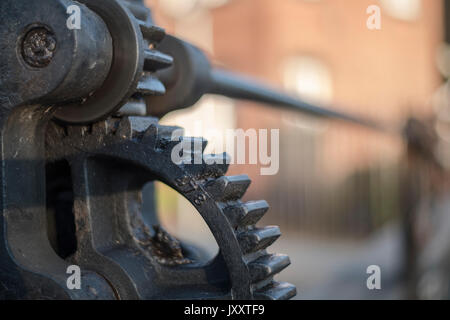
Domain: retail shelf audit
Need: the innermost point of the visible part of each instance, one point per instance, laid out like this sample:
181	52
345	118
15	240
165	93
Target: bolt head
39	47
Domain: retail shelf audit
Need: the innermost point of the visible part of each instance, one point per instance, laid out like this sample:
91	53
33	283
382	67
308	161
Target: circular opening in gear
180	219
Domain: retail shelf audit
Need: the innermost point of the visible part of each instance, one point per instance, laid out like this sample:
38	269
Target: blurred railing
334	179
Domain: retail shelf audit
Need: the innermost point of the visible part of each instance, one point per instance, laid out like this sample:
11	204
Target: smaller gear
135	62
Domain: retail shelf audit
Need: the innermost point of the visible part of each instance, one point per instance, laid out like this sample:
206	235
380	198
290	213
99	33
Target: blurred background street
345	197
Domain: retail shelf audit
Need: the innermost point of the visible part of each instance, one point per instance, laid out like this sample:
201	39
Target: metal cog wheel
135	61
142	262
154	60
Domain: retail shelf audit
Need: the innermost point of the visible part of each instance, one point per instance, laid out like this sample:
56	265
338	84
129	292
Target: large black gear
145	262
72	194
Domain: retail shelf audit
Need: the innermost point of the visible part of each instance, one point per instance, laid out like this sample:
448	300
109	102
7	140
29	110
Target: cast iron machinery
79	141
78	144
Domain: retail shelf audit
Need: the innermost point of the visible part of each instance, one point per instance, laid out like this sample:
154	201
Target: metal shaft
240	87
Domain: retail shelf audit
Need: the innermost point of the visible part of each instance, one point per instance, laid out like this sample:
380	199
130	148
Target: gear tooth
234	214
134	107
194	150
258	238
276	291
151	32
254	211
228	188
150	86
168	137
267	266
150	134
156	60
246	214
212	166
198	145
170	132
216	165
124	129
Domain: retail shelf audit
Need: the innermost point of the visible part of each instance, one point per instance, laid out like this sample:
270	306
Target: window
309	78
180	8
403	9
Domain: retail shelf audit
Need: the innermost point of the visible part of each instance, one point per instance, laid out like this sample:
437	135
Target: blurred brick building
322	51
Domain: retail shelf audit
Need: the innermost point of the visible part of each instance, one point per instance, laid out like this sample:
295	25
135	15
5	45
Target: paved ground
334	269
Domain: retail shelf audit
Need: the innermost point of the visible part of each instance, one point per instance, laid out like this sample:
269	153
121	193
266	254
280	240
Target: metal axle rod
240	87
192	76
